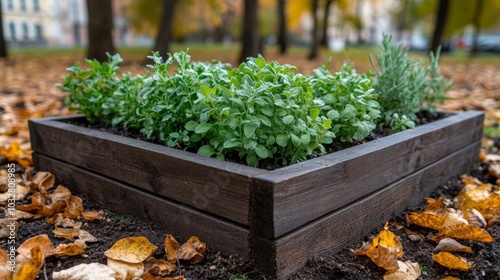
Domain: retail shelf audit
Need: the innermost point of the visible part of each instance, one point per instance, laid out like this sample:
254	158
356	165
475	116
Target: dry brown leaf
21	215
476	218
414	236
86	236
8	227
60	193
40	241
451	261
74	208
125	270
93	215
53	209
90	271
159	267
382	256
407	271
450	278
71	249
148	276
131	250
171	245
5	272
68	233
43	181
59	220
451	245
29	267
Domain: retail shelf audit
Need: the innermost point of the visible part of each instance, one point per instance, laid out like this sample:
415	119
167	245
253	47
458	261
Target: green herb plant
404	86
260	111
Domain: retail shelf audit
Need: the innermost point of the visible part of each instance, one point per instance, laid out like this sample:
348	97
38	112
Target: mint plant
259	111
405	87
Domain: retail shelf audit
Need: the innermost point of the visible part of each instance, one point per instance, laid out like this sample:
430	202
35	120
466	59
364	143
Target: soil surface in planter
340	265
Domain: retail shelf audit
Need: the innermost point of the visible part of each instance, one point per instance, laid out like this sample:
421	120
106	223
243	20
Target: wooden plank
208	184
184	221
334	231
287	198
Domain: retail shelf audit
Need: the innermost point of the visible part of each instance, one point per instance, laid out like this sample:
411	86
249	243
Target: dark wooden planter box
277	218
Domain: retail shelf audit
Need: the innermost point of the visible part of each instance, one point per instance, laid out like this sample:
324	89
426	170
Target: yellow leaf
467	232
93	215
74	208
407	271
451	261
433	216
40	241
29	267
15	154
159	267
5	273
131	250
68	233
479	196
171	245
382	256
388	239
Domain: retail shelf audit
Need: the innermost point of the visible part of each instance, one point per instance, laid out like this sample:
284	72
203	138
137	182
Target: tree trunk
100	29
324	37
441	16
282	30
476	21
250	38
314	51
162	43
3	45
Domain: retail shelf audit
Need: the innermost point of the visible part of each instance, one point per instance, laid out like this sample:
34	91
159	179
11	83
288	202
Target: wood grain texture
334	231
227	237
217	187
287	198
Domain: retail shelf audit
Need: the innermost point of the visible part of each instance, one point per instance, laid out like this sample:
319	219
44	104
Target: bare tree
162	43
326	18
282	30
3	45
250	34
100	14
476	21
441	16
314	51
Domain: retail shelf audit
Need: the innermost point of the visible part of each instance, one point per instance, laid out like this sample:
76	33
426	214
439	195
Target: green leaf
202	128
205	90
206	150
249	129
261	151
333	114
295	140
288	119
314	113
191	125
305	138
281	140
260	61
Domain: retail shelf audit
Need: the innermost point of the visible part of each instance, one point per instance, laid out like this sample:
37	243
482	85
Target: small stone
213	267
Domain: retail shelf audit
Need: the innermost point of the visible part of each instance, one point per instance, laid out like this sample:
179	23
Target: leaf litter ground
24	94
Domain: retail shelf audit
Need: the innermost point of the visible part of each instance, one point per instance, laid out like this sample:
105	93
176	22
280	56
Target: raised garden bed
278	218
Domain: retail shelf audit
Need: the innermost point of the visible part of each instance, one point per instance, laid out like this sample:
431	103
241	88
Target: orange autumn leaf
68	233
15	154
382	256
171	245
5	273
451	261
158	267
40	241
30	268
53	209
148	276
433	216
93	215
467	232
60	193
72	249
388	239
74	208
478	196
43	181
131	250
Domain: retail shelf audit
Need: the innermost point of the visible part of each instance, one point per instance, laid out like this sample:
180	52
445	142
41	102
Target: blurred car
485	43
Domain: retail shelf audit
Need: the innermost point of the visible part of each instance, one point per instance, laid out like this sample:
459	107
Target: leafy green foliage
259	111
405	87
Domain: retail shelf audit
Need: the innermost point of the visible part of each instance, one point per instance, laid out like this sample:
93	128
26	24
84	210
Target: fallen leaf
8	227
43	181
388	239
90	271
125	270
40	241
414	236
71	249
61	193
131	250
479	196
86	236
382	256
476	218
53	209
148	276
74	208
93	215
451	245
159	267
466	231
15	154
171	245
68	233
433	216
407	271
5	264
451	261
29	267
